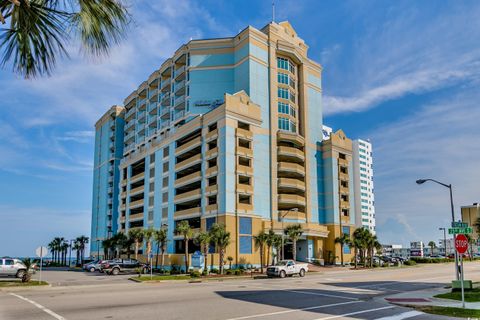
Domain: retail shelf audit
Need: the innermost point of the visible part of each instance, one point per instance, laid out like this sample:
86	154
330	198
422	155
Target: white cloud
408	54
440	142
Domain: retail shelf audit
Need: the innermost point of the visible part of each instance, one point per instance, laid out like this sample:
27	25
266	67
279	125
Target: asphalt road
339	294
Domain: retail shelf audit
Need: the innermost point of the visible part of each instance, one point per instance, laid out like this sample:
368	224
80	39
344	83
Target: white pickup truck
285	268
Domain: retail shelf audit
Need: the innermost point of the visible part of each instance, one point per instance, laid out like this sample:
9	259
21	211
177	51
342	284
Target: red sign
461	243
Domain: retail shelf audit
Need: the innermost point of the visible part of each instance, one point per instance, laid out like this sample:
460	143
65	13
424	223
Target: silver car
12	267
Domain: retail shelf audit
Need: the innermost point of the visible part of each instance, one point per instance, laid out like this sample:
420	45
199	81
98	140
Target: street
334	294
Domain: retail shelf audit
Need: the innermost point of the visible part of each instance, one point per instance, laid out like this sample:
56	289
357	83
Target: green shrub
214	271
238	272
195	274
410	263
229	271
175	269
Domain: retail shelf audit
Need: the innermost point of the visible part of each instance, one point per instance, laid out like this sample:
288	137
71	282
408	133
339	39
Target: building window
245	244
212	181
245	225
244	180
165	166
283	108
244	161
212	127
243	125
165	197
212	200
165	213
283	93
282	78
166	152
209	223
165	182
286	124
212	162
245	199
152	158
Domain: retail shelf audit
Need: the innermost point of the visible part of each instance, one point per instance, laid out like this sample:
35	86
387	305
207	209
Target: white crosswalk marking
39	306
402	316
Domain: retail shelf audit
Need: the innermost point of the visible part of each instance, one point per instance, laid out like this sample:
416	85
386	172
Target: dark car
115	267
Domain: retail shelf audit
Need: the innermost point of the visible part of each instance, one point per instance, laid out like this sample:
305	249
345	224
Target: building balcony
152	108
342	162
164	124
240	169
211	153
188	162
110	179
179	115
211	171
179	101
289	152
188	179
244	152
287	183
244	133
110	190
211	189
344	204
138	216
130	113
190	195
141	128
129	136
189	145
343	176
136	204
129	125
137	177
291	137
141	116
123	206
166	85
152	124
137	190
179	73
244	207
142	104
152	92
211	135
291	168
122	219
165	99
291	199
180	87
292	215
192	211
110	201
123	195
244	188
165	113
211	208
129	147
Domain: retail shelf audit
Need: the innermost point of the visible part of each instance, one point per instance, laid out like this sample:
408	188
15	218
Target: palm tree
269	242
28	264
221	238
183	228
342	240
64	248
230	260
147	237
294	232
39	30
160	238
360	243
137	236
372	244
82	241
51	247
432	246
118	243
56	244
107	245
260	241
277	244
203	239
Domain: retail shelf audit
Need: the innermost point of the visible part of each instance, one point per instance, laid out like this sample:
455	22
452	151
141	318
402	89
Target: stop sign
461	243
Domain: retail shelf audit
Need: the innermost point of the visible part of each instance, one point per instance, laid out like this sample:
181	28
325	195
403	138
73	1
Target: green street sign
466	230
459	224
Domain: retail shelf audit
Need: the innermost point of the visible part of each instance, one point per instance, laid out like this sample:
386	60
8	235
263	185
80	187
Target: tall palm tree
147	238
51	247
183	228
342	240
203	239
118	243
294	232
360	243
107	245
56	244
82	242
64	247
432	246
269	242
161	238
221	238
137	236
277	244
260	241
38	31
372	245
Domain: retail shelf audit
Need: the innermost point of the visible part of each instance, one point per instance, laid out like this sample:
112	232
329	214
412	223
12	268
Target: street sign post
465	230
41	252
461	245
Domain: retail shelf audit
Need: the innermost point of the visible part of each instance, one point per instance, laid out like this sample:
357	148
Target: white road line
322	294
294	310
354	313
39	306
401	316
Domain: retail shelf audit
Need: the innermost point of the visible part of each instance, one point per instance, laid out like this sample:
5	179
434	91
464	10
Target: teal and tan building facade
227	130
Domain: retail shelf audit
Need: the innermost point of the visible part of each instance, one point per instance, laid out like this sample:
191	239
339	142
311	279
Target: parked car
12	267
93	266
115	267
289	268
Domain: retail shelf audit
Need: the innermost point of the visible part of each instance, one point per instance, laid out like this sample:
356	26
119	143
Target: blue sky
404	74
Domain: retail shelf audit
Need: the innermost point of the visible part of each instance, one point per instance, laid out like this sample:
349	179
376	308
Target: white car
287	268
12	267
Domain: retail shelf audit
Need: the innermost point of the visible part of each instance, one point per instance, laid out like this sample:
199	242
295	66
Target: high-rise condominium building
363	167
362	173
226	131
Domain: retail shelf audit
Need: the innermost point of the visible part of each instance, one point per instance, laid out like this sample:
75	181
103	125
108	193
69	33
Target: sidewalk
425	298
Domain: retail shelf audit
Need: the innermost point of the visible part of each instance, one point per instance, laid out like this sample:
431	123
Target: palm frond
35	38
101	24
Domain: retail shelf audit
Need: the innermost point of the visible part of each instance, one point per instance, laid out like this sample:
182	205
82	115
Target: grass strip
19	283
470	295
449	311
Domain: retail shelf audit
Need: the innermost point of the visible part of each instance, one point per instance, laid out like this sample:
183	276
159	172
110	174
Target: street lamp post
449	186
444	239
283	232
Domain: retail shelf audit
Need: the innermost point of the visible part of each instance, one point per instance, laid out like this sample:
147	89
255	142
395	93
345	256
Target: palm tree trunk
268	255
341	253
355	256
136	250
156	257
205	253
220	265
261	258
163	257
294	249
186	256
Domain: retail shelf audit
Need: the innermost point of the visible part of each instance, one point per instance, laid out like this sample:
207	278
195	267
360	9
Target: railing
130	112
179	71
129	125
165	124
164	111
152	106
130	135
179	85
152	92
141	102
179	100
179	115
165	99
165	83
141	115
